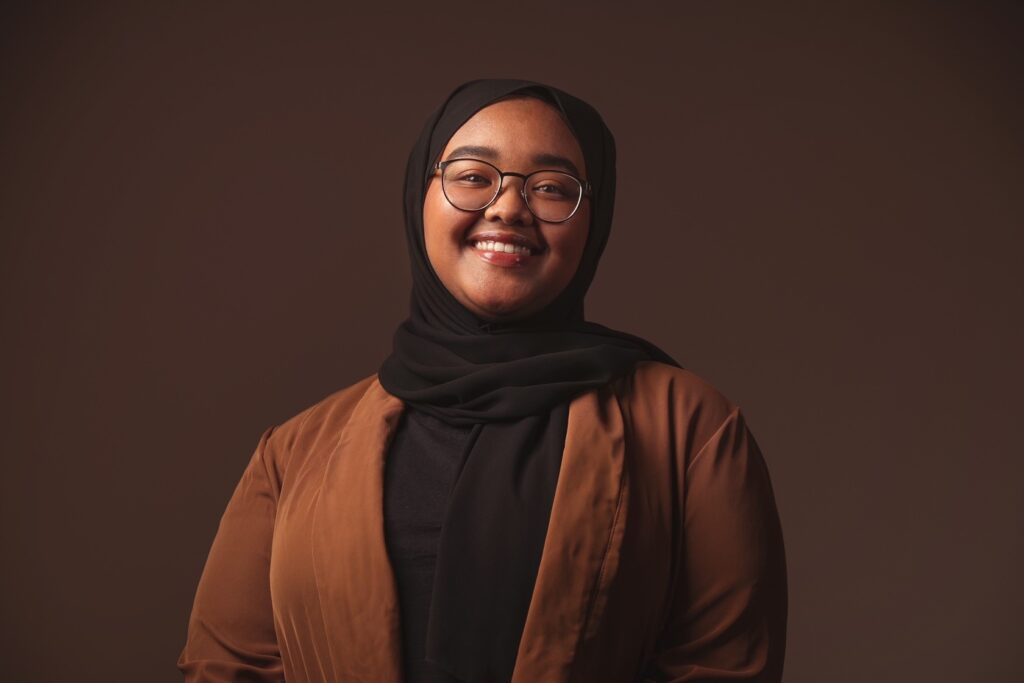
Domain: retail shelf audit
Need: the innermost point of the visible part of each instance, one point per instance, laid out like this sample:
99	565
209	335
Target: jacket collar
355	580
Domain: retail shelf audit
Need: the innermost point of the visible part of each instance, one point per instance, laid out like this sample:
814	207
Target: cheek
440	217
572	240
442	225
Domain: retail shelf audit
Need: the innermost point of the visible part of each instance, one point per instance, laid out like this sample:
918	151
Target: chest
601	588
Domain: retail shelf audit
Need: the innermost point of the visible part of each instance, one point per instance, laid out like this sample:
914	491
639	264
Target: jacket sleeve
231	633
727	618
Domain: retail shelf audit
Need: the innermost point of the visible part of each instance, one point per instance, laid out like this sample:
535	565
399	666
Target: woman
517	494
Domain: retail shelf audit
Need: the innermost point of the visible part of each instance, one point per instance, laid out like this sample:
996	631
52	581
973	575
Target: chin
506	309
504	312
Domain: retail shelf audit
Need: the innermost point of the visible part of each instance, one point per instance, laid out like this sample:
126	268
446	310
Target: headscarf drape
514	380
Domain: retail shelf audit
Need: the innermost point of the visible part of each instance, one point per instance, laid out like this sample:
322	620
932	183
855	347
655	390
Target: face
519	135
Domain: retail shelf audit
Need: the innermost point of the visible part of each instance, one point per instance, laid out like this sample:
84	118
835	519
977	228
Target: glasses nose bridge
522	190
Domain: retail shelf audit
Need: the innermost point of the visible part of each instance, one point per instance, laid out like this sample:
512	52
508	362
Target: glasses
473	185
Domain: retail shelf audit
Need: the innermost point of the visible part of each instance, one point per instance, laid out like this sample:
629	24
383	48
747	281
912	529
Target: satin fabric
663	561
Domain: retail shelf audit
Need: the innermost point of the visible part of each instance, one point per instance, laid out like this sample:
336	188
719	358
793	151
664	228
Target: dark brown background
820	212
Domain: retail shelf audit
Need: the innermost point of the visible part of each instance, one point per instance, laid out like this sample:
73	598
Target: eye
473	178
470	178
549	189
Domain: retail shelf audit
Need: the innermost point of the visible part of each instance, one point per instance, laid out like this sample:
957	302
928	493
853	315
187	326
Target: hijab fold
514	380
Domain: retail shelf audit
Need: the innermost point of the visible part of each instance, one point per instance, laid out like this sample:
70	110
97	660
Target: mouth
504	249
507	242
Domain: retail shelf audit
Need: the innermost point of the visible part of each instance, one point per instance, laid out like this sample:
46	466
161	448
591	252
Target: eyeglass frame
585	187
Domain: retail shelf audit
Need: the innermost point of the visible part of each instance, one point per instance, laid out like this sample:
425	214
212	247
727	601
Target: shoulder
661	401
323	419
656	384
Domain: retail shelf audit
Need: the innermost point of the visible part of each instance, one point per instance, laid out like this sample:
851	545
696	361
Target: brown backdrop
820	212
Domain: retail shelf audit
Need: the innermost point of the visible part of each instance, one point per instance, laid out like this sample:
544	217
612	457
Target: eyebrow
544	160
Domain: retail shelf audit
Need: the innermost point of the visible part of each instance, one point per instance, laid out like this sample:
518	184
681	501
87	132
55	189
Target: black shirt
422	465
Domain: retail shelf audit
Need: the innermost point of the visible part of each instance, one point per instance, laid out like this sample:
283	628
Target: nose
510	207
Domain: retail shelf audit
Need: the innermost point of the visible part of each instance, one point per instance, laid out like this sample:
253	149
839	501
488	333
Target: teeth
504	247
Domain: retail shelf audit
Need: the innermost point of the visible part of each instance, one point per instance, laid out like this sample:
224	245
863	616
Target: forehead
517	131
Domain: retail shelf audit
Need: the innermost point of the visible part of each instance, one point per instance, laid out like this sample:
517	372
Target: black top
421	468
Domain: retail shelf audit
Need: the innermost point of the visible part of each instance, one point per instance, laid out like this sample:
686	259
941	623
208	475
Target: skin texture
518	130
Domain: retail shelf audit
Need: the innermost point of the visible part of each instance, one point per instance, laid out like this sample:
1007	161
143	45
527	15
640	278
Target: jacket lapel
581	549
354	578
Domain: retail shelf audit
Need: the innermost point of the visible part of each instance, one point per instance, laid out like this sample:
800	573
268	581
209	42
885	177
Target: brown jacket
663	559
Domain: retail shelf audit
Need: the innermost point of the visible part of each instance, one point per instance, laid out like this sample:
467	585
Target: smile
501	247
504	250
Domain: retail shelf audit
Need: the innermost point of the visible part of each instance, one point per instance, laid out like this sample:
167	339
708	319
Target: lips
504	242
504	249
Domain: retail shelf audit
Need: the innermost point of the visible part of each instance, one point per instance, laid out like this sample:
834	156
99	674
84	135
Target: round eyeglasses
473	185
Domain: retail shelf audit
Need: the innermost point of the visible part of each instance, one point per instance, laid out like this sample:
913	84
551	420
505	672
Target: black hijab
513	380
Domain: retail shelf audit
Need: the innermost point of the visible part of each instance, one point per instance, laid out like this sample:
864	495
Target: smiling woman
506	262
518	494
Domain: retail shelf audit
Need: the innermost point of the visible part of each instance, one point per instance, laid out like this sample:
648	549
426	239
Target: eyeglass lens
471	185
